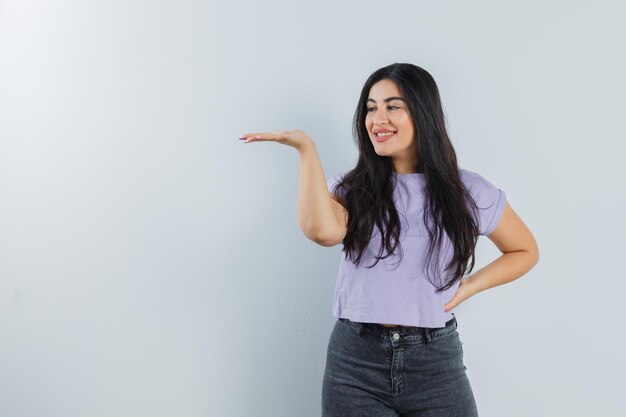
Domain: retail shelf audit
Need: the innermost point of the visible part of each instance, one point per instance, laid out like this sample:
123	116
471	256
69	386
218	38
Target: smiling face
388	112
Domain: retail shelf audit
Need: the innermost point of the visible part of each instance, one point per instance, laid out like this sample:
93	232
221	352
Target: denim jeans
377	371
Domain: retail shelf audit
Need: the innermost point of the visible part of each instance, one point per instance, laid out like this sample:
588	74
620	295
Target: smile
383	137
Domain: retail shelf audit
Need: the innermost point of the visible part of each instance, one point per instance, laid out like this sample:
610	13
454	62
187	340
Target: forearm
508	267
315	211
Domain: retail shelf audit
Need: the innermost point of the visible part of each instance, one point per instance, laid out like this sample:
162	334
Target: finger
451	304
262	136
250	135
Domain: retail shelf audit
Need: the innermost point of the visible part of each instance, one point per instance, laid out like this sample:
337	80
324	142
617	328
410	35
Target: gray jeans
376	371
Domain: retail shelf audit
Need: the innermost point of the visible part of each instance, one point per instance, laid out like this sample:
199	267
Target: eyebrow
387	100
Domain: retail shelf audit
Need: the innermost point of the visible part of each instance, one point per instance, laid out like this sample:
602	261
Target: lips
384	138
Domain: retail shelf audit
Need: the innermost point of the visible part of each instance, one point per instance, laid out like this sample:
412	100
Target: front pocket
351	326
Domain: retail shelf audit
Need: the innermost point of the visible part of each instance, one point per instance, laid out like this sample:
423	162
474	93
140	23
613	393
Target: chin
380	148
383	153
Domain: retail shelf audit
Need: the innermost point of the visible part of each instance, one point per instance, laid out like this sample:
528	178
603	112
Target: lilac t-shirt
395	292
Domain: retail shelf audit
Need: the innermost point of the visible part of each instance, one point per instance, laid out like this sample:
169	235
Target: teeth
385	134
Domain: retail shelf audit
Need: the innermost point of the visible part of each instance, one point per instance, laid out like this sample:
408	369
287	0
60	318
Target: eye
389	107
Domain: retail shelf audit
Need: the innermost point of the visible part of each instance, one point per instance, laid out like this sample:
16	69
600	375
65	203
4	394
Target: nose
380	117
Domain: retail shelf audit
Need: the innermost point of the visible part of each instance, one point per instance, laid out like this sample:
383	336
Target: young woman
395	349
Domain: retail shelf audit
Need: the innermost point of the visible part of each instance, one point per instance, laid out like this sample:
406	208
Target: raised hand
295	138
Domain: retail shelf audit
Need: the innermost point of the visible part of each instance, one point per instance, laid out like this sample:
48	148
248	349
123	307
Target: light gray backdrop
152	265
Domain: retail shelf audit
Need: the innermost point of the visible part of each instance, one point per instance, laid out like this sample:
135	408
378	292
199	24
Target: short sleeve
332	182
490	200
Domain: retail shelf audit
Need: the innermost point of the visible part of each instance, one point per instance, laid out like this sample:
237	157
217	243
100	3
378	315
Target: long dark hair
369	186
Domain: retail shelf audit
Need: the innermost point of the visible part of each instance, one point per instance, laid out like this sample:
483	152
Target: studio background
151	264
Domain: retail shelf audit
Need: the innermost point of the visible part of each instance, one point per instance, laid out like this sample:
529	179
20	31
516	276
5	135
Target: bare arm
321	218
520	252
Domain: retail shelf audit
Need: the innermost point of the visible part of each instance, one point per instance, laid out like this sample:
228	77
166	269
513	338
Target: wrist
474	284
306	144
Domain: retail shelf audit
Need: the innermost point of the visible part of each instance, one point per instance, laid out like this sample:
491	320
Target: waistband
379	331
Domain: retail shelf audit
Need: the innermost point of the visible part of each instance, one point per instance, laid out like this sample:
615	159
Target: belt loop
427	334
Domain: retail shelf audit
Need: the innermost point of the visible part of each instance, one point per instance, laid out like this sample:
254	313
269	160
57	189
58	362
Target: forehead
383	89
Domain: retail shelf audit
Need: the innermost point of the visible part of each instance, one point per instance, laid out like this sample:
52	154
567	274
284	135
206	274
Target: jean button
396	336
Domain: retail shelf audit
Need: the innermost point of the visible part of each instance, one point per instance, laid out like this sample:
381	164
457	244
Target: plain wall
151	264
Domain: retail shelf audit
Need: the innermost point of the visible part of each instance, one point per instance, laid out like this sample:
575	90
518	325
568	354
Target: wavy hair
366	191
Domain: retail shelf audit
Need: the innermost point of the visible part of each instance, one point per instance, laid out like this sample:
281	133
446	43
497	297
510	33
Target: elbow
310	234
314	235
323	239
532	251
535	253
310	230
533	256
526	258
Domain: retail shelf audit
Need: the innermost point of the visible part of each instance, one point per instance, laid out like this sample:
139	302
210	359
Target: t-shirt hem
370	319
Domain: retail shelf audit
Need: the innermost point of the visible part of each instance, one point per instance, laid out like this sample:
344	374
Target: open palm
295	138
